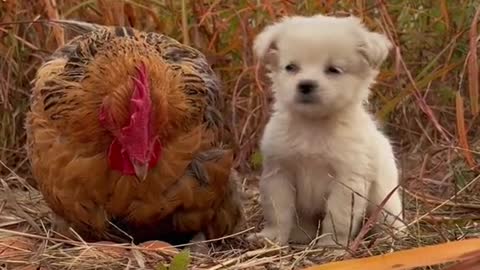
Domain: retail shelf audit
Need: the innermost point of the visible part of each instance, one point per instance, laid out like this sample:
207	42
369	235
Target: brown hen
125	138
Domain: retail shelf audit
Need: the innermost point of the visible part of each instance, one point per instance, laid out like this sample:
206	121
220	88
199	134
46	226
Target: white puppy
325	161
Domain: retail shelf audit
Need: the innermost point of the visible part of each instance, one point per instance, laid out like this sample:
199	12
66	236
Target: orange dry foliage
465	250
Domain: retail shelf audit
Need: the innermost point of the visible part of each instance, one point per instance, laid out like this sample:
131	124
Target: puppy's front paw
397	235
326	241
338	252
269	234
197	244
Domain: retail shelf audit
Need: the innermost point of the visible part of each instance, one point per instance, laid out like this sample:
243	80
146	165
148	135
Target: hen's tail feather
79	27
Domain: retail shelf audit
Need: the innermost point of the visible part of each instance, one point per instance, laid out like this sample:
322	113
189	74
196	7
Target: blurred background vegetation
427	95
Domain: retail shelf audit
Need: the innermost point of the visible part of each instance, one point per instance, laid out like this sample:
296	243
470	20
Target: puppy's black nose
307	86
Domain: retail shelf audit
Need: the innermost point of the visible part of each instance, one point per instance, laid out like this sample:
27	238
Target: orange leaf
158	246
31	267
445	16
110	249
462	133
113	12
471	263
15	248
408	259
473	65
52	14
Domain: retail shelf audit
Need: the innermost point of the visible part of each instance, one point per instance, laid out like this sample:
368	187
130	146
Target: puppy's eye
291	68
334	70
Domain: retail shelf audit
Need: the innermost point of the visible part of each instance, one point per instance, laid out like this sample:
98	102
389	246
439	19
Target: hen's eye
291	68
334	70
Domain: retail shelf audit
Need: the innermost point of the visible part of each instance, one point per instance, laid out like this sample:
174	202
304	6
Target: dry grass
427	97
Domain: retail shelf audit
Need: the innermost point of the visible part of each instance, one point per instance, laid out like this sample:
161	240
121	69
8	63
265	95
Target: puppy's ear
264	45
374	47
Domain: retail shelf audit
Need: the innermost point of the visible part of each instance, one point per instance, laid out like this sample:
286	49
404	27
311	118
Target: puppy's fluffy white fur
325	161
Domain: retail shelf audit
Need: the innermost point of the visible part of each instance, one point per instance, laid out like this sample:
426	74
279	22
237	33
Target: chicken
124	138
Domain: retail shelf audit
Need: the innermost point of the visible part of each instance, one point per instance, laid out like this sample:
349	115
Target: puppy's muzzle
306	91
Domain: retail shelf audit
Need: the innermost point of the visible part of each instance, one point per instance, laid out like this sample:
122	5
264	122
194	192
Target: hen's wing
67	147
205	199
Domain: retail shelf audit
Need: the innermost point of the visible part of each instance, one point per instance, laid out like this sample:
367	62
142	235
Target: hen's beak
141	171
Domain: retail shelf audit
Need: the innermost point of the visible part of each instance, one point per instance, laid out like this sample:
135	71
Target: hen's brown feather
187	192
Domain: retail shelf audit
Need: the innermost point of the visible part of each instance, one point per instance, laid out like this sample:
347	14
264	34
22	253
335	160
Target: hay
26	239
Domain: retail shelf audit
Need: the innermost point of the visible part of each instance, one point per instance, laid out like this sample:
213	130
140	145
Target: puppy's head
320	65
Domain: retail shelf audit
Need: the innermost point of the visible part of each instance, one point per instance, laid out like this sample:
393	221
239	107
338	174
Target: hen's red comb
140	89
137	135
